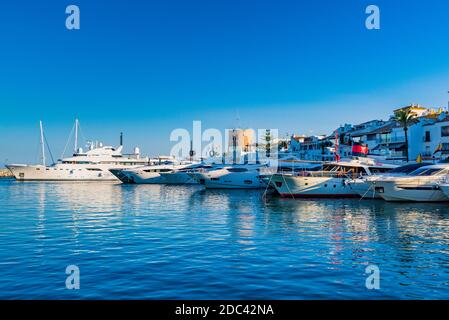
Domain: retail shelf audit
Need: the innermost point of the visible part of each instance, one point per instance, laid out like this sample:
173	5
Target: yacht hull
445	190
219	179
365	189
392	191
141	177
312	187
178	178
41	173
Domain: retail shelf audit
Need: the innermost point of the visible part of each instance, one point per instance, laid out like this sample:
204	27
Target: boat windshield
347	170
409	168
429	172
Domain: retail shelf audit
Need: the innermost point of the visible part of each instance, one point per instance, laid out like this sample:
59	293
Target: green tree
405	118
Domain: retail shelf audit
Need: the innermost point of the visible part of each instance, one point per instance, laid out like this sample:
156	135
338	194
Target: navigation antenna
42	143
76	136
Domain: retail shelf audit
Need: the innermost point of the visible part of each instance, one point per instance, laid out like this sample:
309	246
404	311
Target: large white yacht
421	185
365	186
332	181
92	165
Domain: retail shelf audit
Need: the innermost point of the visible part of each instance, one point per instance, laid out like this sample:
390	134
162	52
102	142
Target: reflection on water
156	241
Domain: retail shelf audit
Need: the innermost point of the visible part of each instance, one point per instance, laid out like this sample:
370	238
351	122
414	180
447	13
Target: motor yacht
331	181
92	165
423	185
235	176
167	172
365	186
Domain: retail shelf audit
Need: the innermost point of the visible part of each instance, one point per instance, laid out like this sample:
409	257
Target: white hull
144	177
445	189
222	179
63	172
365	189
178	178
299	186
156	174
394	191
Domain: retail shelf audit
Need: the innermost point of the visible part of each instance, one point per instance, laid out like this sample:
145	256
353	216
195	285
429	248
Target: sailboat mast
76	136
42	143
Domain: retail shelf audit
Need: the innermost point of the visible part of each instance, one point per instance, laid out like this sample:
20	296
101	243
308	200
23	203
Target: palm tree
406	118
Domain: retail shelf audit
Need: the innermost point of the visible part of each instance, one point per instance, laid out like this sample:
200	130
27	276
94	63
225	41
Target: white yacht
421	185
168	172
365	186
235	176
331	181
92	165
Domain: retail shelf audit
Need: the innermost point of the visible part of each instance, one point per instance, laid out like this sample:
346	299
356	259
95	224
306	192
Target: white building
427	135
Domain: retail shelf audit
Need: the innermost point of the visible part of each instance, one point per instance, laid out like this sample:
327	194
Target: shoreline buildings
428	138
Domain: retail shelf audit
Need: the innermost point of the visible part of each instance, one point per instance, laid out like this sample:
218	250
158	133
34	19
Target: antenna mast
42	143
76	136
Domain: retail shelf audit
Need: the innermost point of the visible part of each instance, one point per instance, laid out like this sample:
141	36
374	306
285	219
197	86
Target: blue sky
148	67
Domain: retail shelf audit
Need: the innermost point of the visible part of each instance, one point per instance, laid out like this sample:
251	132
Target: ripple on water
155	241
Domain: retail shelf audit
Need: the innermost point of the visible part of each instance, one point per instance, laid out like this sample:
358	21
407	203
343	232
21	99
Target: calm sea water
183	242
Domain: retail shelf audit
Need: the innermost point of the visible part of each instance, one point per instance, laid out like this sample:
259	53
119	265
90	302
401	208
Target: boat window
427	171
379	170
93	169
237	169
409	168
248	182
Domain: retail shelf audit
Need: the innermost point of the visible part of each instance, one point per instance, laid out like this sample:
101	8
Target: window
237	169
379	170
445	131
427	137
371	137
426	171
408	168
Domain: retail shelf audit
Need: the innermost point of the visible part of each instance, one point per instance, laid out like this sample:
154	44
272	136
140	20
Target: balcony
390	140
